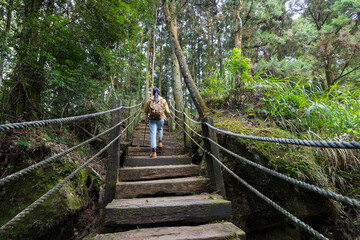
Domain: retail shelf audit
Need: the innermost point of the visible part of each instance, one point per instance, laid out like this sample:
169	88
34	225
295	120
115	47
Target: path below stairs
164	197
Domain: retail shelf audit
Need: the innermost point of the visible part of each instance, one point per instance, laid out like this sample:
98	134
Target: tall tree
177	81
148	67
194	92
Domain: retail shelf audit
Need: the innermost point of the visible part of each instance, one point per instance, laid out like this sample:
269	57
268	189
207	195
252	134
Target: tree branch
354	69
248	14
201	26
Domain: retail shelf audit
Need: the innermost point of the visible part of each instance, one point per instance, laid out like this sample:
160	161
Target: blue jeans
153	126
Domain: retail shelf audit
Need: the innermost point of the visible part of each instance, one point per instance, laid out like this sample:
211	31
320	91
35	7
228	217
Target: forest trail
165	198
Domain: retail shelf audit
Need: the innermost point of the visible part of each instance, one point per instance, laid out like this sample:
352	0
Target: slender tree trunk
147	67
154	53
329	72
28	77
194	92
221	57
160	68
139	69
112	78
9	10
177	83
238	24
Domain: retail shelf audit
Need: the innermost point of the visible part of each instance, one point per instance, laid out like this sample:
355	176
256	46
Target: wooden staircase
164	197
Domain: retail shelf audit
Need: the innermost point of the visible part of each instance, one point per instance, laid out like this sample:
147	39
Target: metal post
213	168
187	140
113	161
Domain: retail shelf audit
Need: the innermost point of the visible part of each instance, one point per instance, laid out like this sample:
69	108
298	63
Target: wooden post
173	125
130	129
187	140
213	168
113	161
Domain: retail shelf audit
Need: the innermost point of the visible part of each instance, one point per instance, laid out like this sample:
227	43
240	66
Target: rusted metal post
213	168
187	133
112	165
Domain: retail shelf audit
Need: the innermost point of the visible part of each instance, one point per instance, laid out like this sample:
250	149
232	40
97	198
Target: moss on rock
19	194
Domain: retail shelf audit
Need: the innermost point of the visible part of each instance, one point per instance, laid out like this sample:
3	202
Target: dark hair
156	93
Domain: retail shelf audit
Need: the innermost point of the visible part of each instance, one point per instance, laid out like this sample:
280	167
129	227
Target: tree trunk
112	78
238	24
329	72
154	53
147	67
221	57
28	77
139	70
160	66
194	92
177	81
9	10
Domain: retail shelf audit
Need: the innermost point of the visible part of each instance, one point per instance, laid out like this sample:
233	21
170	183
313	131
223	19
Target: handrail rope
24	171
182	112
325	193
41	123
35	204
308	143
262	196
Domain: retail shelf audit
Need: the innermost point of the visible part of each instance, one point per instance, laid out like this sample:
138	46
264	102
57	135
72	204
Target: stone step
141	161
214	231
180	209
157	172
173	186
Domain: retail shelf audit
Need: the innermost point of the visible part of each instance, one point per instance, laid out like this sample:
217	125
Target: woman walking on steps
156	110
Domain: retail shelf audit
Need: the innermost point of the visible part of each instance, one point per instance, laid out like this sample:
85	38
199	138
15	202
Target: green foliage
307	107
236	72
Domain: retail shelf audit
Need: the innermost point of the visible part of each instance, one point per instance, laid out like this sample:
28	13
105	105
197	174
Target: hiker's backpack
156	109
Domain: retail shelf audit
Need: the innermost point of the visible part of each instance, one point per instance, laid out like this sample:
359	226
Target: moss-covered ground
20	149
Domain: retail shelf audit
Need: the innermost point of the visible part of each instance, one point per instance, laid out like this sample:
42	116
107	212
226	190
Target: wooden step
189	209
143	151
215	231
173	186
146	142
141	161
157	172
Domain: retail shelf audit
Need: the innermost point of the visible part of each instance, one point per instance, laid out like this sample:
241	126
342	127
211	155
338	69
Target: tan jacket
165	107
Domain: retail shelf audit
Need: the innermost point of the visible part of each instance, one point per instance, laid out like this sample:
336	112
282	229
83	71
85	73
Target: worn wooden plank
215	231
195	208
165	151
173	186
159	161
157	172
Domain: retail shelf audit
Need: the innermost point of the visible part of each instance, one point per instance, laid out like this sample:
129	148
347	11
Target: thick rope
184	114
41	123
325	193
309	143
297	221
24	171
35	204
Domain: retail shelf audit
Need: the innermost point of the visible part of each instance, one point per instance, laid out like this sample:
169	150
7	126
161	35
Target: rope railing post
213	168
187	140
129	133
173	125
113	161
